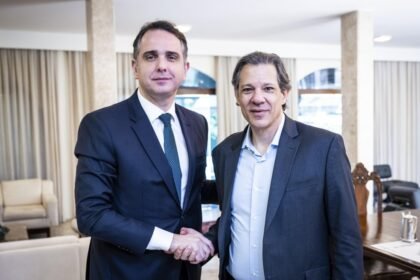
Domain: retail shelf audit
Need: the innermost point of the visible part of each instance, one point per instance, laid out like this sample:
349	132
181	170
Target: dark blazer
124	188
311	228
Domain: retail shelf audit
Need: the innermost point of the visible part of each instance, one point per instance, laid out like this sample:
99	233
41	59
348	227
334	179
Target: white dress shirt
162	239
249	206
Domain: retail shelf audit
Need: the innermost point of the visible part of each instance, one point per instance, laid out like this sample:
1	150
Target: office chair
384	172
403	197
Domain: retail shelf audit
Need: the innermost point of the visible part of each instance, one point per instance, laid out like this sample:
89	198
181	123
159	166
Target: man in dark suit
141	166
285	189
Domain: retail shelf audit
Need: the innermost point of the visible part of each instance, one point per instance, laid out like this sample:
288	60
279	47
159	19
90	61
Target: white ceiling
297	21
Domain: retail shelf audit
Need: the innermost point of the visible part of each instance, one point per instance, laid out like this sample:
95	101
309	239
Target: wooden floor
210	270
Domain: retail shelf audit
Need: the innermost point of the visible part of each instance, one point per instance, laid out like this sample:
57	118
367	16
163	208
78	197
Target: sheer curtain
126	83
229	115
230	118
43	96
292	100
397	115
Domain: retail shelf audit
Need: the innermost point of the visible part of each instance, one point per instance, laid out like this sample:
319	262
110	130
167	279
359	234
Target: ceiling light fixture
184	28
382	39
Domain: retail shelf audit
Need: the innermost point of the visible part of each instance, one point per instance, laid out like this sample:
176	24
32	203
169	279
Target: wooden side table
65	228
16	232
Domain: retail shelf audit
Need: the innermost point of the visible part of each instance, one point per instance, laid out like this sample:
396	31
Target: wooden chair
361	177
374	269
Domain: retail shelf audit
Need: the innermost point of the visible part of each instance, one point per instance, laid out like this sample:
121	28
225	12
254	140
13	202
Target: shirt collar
274	143
152	111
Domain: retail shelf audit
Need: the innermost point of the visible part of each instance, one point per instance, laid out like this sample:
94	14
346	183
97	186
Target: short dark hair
257	58
160	25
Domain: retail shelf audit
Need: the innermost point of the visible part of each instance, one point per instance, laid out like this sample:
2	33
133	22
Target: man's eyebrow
150	52
172	53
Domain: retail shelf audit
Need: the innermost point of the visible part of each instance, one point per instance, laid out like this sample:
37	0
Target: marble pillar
357	86
101	52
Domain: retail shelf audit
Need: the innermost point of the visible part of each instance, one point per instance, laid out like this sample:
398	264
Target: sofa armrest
49	201
1	204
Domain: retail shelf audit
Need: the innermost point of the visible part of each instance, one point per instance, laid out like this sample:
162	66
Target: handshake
190	245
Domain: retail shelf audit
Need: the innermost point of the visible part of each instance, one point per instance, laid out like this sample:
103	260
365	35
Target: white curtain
230	119
292	101
43	96
126	83
397	118
229	115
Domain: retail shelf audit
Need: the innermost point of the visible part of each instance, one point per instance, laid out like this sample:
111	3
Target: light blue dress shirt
249	206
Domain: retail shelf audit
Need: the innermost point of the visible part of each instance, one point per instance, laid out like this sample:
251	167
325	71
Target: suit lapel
286	152
147	137
229	172
188	136
229	175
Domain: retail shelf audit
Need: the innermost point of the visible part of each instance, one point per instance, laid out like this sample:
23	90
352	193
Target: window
197	93
319	99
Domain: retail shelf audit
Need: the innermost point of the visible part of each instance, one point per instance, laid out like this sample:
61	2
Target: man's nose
258	96
161	64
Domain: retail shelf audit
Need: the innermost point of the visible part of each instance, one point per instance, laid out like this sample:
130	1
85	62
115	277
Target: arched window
197	93
319	99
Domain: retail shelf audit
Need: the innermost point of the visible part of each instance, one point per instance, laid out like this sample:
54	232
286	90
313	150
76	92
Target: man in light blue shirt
286	193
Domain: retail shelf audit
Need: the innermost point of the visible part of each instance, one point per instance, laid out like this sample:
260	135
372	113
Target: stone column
101	52
357	86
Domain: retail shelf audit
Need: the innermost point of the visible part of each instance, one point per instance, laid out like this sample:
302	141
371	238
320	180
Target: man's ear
134	65
286	95
134	68
236	98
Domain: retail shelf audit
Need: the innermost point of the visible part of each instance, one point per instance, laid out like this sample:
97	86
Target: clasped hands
190	245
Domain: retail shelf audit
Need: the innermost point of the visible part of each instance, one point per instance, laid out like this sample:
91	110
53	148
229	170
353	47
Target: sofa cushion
13	213
41	263
21	192
62	257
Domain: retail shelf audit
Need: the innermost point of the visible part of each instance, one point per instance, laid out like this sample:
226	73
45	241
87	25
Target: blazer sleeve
96	176
347	251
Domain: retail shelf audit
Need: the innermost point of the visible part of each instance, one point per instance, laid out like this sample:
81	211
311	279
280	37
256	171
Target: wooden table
386	228
16	232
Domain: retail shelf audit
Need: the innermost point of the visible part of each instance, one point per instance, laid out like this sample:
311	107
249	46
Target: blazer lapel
186	131
147	137
286	152
229	172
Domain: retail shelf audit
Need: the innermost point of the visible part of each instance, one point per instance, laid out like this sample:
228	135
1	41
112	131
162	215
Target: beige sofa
31	202
62	257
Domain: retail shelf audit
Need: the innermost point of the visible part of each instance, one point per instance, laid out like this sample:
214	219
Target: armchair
31	202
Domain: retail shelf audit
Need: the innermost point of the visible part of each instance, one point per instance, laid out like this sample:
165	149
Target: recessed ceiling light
382	39
184	28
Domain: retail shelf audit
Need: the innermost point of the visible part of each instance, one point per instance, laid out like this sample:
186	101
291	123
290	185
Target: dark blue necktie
170	151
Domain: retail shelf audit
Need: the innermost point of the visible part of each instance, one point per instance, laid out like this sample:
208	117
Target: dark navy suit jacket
124	188
311	228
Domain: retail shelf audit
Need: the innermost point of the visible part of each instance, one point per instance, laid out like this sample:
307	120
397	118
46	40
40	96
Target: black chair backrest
383	170
405	197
